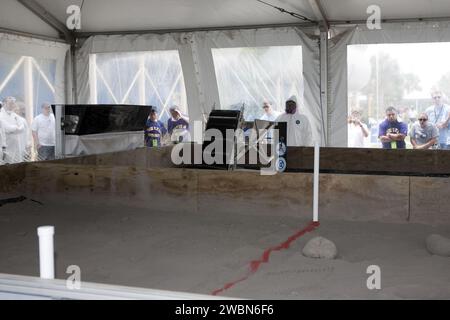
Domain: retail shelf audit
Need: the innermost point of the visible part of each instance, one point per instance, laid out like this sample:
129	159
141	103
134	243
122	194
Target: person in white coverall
2	141
13	128
298	126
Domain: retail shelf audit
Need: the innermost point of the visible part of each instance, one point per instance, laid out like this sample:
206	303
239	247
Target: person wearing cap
298	125
154	130
269	113
178	126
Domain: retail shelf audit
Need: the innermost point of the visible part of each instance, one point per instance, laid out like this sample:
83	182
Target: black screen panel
83	119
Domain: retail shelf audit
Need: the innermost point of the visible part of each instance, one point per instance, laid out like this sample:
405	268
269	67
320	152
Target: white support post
29	94
93	78
60	132
141	80
46	252
316	182
324	84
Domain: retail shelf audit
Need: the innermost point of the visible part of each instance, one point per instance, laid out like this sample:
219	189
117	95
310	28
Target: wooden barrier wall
348	197
299	159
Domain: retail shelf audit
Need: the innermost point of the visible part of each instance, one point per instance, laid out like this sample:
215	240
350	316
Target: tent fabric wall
271	37
198	66
25	46
408	32
117	43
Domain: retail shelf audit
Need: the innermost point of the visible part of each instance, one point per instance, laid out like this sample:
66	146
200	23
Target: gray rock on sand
321	248
438	245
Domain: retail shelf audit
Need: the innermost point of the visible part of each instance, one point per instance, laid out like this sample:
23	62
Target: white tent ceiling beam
359	22
319	12
48	18
331	23
31	35
162	31
343	10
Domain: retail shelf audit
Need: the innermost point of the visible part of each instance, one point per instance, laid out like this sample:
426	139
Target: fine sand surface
201	253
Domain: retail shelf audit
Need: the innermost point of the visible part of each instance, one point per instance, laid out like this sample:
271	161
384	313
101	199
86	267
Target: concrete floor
201	252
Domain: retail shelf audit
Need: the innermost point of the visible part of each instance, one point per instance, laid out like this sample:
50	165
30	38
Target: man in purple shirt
154	130
392	132
178	126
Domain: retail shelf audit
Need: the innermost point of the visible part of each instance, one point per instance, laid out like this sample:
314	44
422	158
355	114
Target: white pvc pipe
316	182
46	252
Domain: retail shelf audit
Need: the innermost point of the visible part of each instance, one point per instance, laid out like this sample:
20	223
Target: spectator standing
43	129
298	126
2	141
178	126
392	132
13	127
357	130
154	130
438	114
269	113
424	135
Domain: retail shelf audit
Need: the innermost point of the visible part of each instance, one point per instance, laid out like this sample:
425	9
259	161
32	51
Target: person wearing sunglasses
269	113
439	115
424	135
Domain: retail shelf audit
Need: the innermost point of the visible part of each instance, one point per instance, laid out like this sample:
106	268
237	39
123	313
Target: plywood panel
430	200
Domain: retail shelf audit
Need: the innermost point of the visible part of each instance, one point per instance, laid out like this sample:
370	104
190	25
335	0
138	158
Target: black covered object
282	132
83	119
224	120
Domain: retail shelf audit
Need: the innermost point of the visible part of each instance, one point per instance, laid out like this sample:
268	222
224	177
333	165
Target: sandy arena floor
201	253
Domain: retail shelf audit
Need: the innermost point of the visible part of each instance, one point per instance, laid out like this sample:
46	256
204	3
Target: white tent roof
15	16
119	15
342	10
138	15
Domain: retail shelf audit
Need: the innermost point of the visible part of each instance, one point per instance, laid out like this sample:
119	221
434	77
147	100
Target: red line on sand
255	264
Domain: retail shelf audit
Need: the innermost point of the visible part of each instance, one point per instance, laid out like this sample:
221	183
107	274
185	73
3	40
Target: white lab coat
2	142
14	129
298	129
25	138
270	117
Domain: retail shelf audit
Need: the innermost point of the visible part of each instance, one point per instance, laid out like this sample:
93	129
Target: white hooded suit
298	128
2	142
13	128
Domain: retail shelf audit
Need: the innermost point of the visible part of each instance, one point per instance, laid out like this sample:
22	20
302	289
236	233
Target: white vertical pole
60	147
29	99
142	80
29	94
46	252
316	182
93	78
324	85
